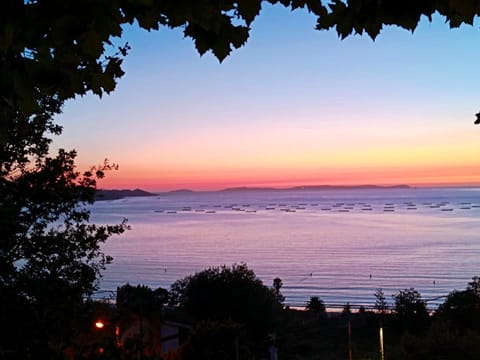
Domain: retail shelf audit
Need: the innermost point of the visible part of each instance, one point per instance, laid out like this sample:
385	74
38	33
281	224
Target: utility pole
237	353
349	326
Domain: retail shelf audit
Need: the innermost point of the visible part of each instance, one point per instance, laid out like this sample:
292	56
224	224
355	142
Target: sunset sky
295	106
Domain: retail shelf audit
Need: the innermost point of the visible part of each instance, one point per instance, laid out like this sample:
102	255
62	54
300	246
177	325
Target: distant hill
348	187
119	194
319	187
246	188
181	191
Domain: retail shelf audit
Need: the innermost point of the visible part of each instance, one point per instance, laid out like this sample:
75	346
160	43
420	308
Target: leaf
316	7
239	37
373	29
148	21
221	50
455	21
249	9
297	4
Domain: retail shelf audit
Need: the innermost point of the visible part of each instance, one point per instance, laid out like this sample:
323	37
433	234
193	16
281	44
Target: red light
99	324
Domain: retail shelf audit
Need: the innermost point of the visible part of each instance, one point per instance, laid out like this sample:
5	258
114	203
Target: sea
340	244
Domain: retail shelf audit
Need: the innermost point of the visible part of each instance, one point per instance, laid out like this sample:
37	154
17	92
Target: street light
382	353
99	324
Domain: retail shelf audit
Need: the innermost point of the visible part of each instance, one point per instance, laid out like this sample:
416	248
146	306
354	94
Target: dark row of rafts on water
341	207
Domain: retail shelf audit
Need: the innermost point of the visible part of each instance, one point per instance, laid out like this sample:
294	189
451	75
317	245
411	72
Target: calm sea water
337	244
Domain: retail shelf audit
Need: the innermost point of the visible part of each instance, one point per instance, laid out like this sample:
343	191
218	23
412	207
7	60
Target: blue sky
294	105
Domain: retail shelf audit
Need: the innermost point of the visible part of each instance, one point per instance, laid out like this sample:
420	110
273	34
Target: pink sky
294	106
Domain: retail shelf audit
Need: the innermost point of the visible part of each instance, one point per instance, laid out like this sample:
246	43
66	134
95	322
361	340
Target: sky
294	106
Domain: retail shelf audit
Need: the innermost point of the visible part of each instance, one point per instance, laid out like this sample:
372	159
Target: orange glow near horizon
385	154
215	180
307	110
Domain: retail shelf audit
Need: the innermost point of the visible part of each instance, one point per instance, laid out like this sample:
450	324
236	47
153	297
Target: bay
339	245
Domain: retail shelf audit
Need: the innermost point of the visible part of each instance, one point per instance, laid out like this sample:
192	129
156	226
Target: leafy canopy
462	308
228	293
411	310
369	16
51	255
315	305
55	50
140	299
381	304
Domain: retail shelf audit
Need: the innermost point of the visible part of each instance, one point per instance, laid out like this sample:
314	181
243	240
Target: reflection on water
340	245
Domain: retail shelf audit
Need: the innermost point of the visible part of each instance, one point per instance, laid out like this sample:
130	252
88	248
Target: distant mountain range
319	187
119	194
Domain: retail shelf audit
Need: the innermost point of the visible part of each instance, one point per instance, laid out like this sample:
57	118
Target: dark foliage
277	289
229	293
315	305
410	310
211	340
50	253
462	308
369	16
140	299
51	51
380	301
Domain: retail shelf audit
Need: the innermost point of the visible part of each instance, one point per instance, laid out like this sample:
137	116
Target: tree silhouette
50	253
140	299
52	51
315	305
213	340
370	16
229	293
474	286
380	301
347	309
462	308
277	287
410	310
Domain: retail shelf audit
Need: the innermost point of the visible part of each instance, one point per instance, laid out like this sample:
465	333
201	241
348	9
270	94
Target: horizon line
295	187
